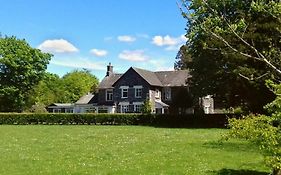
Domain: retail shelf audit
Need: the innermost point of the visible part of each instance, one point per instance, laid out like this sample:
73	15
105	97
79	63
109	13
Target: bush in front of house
188	121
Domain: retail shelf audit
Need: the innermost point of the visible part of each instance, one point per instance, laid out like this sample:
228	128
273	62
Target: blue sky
91	33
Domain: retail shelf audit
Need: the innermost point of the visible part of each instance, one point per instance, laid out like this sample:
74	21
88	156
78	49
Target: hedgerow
206	121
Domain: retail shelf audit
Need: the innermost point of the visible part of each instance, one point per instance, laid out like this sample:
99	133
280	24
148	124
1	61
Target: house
60	108
86	104
126	93
167	92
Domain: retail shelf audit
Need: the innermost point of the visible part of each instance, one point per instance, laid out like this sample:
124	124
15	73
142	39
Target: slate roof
173	78
160	78
149	76
61	105
86	99
108	81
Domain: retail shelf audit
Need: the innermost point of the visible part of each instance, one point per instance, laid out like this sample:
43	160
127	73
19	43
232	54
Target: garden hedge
191	121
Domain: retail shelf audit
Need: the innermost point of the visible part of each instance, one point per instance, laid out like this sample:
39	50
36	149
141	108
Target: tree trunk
276	172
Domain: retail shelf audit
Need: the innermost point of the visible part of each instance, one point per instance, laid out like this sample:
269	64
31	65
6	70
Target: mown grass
39	149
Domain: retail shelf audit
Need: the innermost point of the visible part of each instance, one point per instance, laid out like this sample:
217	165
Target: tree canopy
68	89
21	68
232	48
78	83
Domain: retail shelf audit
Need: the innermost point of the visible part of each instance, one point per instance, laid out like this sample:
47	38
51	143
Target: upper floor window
138	91
124	91
167	93
109	95
157	93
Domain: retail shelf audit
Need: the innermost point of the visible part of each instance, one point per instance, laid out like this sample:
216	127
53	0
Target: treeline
25	85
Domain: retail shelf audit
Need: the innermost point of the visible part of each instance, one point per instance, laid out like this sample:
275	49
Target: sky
93	33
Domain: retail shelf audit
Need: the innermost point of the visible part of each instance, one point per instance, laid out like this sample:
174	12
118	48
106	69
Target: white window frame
56	110
125	108
157	93
137	105
124	89
138	94
167	93
108	91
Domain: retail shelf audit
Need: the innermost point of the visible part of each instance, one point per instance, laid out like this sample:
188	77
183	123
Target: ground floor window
102	110
56	110
137	108
124	108
91	110
68	110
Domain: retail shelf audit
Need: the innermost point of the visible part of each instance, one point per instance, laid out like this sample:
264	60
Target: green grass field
39	149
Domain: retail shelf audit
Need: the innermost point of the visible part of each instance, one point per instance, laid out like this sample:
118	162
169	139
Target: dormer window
109	95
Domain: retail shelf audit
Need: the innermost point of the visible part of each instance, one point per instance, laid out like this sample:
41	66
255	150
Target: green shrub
191	121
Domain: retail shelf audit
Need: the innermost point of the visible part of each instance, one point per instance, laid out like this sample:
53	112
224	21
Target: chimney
109	70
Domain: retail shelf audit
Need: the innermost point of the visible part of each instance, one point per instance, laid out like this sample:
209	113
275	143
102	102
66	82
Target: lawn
40	149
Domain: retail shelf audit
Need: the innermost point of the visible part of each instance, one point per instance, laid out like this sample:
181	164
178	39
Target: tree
21	68
49	90
235	47
78	83
263	130
146	107
239	42
183	59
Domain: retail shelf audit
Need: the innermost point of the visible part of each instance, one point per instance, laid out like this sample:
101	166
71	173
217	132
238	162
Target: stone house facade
126	93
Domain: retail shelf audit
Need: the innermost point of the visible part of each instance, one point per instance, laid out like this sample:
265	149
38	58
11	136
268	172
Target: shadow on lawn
238	172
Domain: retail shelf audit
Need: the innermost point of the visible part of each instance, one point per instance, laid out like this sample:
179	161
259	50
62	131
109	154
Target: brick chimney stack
109	70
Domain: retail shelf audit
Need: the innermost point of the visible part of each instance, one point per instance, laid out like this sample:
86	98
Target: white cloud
98	53
133	55
171	43
57	46
78	63
126	38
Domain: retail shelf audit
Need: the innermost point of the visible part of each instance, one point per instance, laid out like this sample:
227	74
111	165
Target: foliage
38	108
122	150
263	130
146	107
49	90
69	88
235	46
182	121
78	83
21	68
260	130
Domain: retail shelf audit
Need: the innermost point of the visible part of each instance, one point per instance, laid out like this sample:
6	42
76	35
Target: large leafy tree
49	90
68	89
235	47
21	68
78	83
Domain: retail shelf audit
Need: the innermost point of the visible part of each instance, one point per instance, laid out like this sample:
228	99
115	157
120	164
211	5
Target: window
102	110
109	95
124	108
56	110
167	93
68	110
124	92
138	92
157	93
137	108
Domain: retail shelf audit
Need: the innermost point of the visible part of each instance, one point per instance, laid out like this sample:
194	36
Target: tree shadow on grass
238	172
